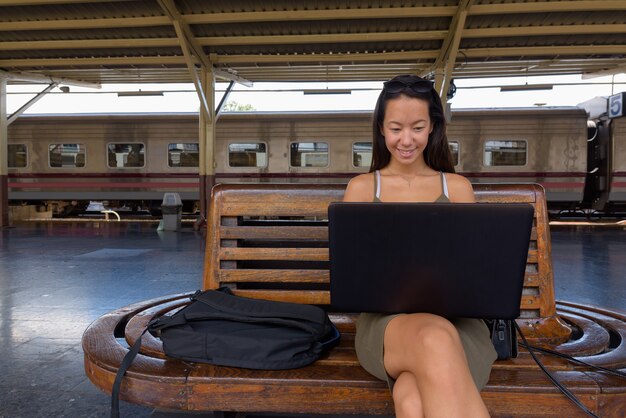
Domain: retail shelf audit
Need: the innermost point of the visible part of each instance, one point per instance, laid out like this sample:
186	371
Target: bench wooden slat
282	201
274	209
279	254
273	275
533	257
530	302
274	232
310	394
531	281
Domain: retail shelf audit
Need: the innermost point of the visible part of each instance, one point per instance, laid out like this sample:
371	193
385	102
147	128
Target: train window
66	155
505	152
183	155
17	155
308	154
454	149
247	155
126	155
362	154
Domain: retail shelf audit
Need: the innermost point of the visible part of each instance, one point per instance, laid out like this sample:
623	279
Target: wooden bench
270	241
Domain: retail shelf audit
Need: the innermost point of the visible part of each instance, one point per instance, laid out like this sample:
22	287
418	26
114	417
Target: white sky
475	93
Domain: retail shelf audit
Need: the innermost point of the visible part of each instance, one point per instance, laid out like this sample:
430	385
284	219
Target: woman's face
406	128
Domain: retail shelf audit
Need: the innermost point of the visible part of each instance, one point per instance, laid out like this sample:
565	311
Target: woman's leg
423	352
407	400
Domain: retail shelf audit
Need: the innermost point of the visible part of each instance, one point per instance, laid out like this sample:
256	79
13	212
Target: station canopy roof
128	41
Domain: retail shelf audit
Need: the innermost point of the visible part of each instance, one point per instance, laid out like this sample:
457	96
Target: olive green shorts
370	333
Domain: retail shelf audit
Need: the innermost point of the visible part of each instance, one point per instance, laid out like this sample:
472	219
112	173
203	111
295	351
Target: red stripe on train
195	185
103	185
276	175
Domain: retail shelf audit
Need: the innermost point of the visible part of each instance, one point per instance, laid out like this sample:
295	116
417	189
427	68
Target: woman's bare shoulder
360	188
460	188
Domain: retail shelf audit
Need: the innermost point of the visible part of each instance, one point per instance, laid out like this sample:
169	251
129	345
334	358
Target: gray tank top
443	197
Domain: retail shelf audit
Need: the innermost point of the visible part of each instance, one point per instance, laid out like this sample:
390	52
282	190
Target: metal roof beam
331	38
549	6
531	51
188	44
45	2
527	31
93	61
225	75
449	49
609	70
29	103
344	57
93	44
325	14
184	33
37	78
98	23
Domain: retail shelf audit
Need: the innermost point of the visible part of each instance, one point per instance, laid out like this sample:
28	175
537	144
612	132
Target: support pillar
4	141
206	142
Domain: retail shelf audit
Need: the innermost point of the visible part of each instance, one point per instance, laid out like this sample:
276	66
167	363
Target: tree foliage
232	106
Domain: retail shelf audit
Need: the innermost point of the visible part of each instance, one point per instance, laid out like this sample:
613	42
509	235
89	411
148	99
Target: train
64	162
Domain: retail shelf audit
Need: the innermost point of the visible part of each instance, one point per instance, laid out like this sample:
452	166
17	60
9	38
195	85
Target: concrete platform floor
56	278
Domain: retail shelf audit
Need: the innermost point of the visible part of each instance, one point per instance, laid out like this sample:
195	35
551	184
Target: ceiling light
327	91
527	87
139	93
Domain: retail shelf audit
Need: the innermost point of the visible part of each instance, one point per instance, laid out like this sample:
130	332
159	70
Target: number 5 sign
616	105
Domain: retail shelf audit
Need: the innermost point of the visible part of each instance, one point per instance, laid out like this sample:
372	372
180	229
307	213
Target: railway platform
58	277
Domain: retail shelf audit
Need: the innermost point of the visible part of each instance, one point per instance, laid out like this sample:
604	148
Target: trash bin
172	210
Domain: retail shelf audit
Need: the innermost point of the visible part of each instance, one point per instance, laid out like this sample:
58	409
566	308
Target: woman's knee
419	341
428	332
437	336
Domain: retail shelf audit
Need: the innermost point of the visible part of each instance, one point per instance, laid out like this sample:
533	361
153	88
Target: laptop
454	260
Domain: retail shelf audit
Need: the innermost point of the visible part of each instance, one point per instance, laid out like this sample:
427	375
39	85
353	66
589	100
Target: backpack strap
126	362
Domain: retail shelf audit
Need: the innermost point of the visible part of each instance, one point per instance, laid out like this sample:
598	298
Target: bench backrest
270	241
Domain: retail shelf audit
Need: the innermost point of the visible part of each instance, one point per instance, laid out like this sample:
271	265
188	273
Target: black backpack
220	328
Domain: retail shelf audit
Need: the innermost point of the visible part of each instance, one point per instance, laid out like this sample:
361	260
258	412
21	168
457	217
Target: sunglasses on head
416	86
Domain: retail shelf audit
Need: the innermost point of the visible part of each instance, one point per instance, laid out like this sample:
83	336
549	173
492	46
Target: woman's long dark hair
437	152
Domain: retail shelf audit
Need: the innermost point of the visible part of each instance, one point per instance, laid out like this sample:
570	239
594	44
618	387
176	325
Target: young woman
435	366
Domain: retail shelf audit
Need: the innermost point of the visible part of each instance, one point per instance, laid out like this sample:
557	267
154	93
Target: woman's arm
460	189
360	189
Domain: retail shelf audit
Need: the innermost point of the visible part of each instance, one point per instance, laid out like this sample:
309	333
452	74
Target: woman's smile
406	153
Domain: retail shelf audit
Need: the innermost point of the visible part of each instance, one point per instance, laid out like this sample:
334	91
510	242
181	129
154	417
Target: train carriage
133	159
546	146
